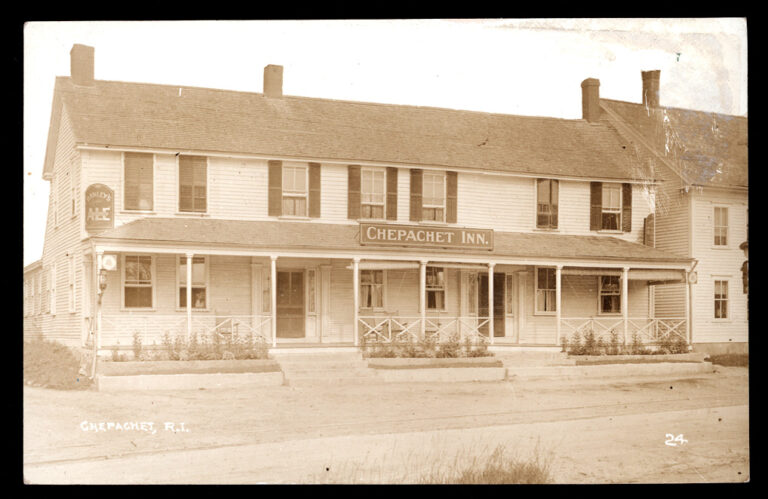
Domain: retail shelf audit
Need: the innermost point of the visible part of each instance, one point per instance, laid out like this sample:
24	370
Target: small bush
450	349
137	347
614	347
52	365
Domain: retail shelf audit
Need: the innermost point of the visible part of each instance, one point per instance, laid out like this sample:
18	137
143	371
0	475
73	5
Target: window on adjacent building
546	203
371	288
610	294
295	190
721	299
193	183
721	226
435	288
611	214
545	290
372	193
199	282
139	181
138	281
433	192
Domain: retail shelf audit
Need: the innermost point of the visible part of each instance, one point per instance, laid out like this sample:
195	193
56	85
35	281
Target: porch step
324	368
534	359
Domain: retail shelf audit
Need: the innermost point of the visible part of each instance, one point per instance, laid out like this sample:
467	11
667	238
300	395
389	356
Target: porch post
625	300
356	296
558	301
189	295
688	328
490	301
273	296
423	297
97	339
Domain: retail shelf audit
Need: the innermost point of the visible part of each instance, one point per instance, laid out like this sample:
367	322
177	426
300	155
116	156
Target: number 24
672	440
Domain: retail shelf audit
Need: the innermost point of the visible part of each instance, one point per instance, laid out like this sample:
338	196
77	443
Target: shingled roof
704	148
119	114
286	236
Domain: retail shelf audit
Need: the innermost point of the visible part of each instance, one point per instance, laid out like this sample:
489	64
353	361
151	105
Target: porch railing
398	328
648	329
119	329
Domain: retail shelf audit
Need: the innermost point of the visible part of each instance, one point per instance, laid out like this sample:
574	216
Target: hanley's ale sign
419	235
99	207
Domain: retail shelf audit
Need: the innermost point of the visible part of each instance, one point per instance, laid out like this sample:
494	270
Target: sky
530	67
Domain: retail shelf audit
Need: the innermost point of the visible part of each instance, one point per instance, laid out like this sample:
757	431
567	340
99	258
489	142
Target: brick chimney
590	99
273	81
81	64
651	88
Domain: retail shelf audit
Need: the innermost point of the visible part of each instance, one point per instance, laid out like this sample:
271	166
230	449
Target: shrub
613	344
680	345
575	346
53	365
449	349
637	347
137	345
590	345
498	468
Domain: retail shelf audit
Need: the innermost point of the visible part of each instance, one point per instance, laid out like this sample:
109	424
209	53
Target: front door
498	302
290	304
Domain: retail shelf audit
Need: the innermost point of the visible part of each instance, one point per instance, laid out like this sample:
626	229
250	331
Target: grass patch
52	365
499	468
436	365
190	367
730	359
633	361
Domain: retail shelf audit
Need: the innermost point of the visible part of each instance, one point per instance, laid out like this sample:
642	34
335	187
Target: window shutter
648	231
275	188
417	177
451	202
596	205
353	192
391	193
626	208
314	190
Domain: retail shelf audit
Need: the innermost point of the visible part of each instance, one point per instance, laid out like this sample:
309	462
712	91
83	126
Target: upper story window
721	299
545	290
433	192
611	213
610	294
138	189
435	288
199	282
138	281
721	226
372	193
193	184
295	191
546	203
371	288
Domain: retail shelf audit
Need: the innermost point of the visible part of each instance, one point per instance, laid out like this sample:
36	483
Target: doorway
498	302
290	304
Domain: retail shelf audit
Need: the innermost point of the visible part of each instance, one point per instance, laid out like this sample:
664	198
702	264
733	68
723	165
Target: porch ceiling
289	235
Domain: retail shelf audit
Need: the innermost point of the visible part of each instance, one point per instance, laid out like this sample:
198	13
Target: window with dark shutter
138	188
451	197
391	193
314	190
193	183
546	203
275	208
626	208
596	205
416	195
353	192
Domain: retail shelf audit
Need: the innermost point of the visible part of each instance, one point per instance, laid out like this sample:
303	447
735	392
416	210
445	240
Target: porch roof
299	235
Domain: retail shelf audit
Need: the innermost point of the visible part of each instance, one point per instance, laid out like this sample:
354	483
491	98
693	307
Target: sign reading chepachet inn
419	235
99	207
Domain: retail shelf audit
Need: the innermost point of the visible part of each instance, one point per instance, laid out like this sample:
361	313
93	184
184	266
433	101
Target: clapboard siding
333	192
342	303
496	202
237	189
717	263
62	240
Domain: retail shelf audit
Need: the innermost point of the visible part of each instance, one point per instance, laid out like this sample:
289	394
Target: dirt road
602	431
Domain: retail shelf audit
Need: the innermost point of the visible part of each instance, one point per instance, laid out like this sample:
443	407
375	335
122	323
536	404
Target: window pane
138	297
543	191
611	221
